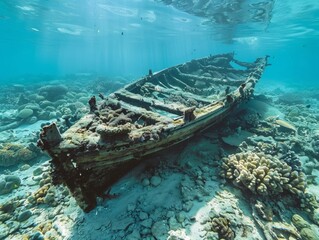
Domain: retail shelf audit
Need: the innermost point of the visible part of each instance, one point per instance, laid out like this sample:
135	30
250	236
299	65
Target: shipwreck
153	113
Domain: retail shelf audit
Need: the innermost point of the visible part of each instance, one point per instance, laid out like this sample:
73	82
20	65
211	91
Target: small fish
285	124
308	106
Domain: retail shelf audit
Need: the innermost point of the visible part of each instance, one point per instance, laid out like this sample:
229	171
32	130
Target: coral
303	227
308	234
315	143
221	225
309	202
44	227
112	133
12	153
53	92
251	119
120	120
292	159
262	174
299	222
39	196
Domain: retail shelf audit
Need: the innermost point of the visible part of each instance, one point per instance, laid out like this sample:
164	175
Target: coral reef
221	225
12	154
262	174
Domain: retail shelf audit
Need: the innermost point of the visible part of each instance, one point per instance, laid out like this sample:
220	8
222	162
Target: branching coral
262	174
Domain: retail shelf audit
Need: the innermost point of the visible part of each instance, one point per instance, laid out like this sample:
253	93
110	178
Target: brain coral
262	174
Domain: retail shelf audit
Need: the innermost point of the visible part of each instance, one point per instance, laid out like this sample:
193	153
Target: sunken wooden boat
156	112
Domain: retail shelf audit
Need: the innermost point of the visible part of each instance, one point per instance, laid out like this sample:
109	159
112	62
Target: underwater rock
44	104
160	230
145	182
36	97
38	171
309	167
181	217
9	183
173	224
12	154
262	174
32	120
25	113
4	217
155	181
23	216
53	92
24	167
122	224
4	231
143	215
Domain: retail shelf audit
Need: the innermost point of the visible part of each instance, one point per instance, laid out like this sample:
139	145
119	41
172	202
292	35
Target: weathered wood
146	102
144	118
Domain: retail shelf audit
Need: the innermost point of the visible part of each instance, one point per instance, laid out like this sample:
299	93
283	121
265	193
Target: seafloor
254	176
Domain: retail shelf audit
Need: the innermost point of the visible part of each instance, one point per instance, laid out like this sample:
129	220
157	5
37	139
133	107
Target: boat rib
145	117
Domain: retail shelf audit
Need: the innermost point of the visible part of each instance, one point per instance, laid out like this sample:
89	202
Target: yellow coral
262	174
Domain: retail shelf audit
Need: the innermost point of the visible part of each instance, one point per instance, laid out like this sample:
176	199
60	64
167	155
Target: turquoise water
54	55
128	37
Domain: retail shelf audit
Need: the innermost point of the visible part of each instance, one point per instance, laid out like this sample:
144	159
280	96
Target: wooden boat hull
94	152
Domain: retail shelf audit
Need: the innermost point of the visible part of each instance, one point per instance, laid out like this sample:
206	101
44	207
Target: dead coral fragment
221	225
262	174
40	195
265	211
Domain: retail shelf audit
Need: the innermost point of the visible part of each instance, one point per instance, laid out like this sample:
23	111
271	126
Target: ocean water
56	54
